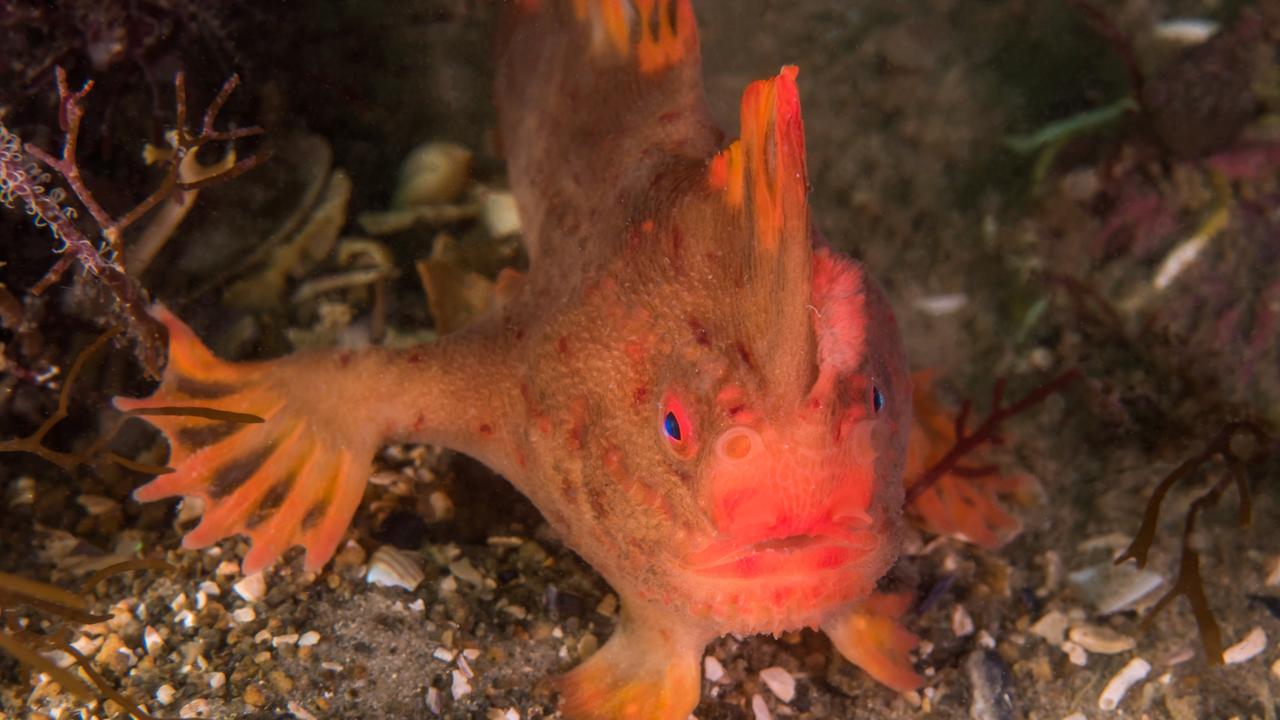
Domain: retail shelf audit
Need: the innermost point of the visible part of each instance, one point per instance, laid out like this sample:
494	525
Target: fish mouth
798	554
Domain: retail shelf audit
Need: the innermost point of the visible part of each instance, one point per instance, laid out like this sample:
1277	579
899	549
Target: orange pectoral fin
265	465
871	637
646	671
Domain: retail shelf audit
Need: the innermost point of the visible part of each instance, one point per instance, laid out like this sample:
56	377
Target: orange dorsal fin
765	167
761	179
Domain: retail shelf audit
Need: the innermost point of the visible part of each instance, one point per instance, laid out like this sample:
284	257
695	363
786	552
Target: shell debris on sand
1114	588
1101	640
780	682
391	567
1133	672
1250	647
252	587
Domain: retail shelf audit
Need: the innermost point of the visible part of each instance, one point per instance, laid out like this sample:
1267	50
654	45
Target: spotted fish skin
706	403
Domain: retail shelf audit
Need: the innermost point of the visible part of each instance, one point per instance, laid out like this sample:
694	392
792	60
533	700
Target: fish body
707	403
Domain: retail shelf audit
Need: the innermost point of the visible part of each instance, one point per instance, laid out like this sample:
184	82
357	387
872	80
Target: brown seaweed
1189	583
27	646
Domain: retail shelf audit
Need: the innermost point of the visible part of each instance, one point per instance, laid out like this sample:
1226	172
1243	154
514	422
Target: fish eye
877	400
671	426
674	424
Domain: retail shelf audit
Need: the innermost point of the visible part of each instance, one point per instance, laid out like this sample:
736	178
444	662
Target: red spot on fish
647	225
416	357
420	422
344	358
562	345
635	350
639	395
700	334
486	429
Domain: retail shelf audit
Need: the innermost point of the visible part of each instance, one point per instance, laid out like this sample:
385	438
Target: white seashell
941	305
1248	648
434	702
309	638
1115	588
391	567
282	640
1133	672
300	712
780	682
443	654
244	615
433	173
217	680
460	687
1185	31
500	215
760	708
1101	640
251	587
1052	626
165	694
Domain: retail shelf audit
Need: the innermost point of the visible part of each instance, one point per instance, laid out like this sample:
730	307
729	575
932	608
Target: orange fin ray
295	478
646	671
872	637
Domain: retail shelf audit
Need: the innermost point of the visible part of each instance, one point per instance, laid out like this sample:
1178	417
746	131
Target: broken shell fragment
1129	675
1114	588
1101	640
391	567
1248	648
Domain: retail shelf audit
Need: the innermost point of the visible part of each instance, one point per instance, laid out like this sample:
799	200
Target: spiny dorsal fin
762	178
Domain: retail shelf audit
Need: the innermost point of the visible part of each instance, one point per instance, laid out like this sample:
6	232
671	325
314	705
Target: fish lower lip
782	555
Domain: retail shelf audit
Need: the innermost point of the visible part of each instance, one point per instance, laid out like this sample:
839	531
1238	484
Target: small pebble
227	568
1248	648
208	587
1275	669
251	587
152	641
309	638
760	708
991	687
282	640
961	622
780	682
1273	575
165	694
253	696
608	605
1101	640
712	669
460	688
97	504
299	712
443	654
244	615
466	572
1076	654
217	680
195	709
1052	626
435	701
1133	672
1076	716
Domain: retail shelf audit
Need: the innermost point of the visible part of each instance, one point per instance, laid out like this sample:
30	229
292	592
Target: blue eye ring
877	400
671	426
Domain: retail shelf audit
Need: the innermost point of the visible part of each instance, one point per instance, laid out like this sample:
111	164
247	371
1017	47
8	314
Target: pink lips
820	549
